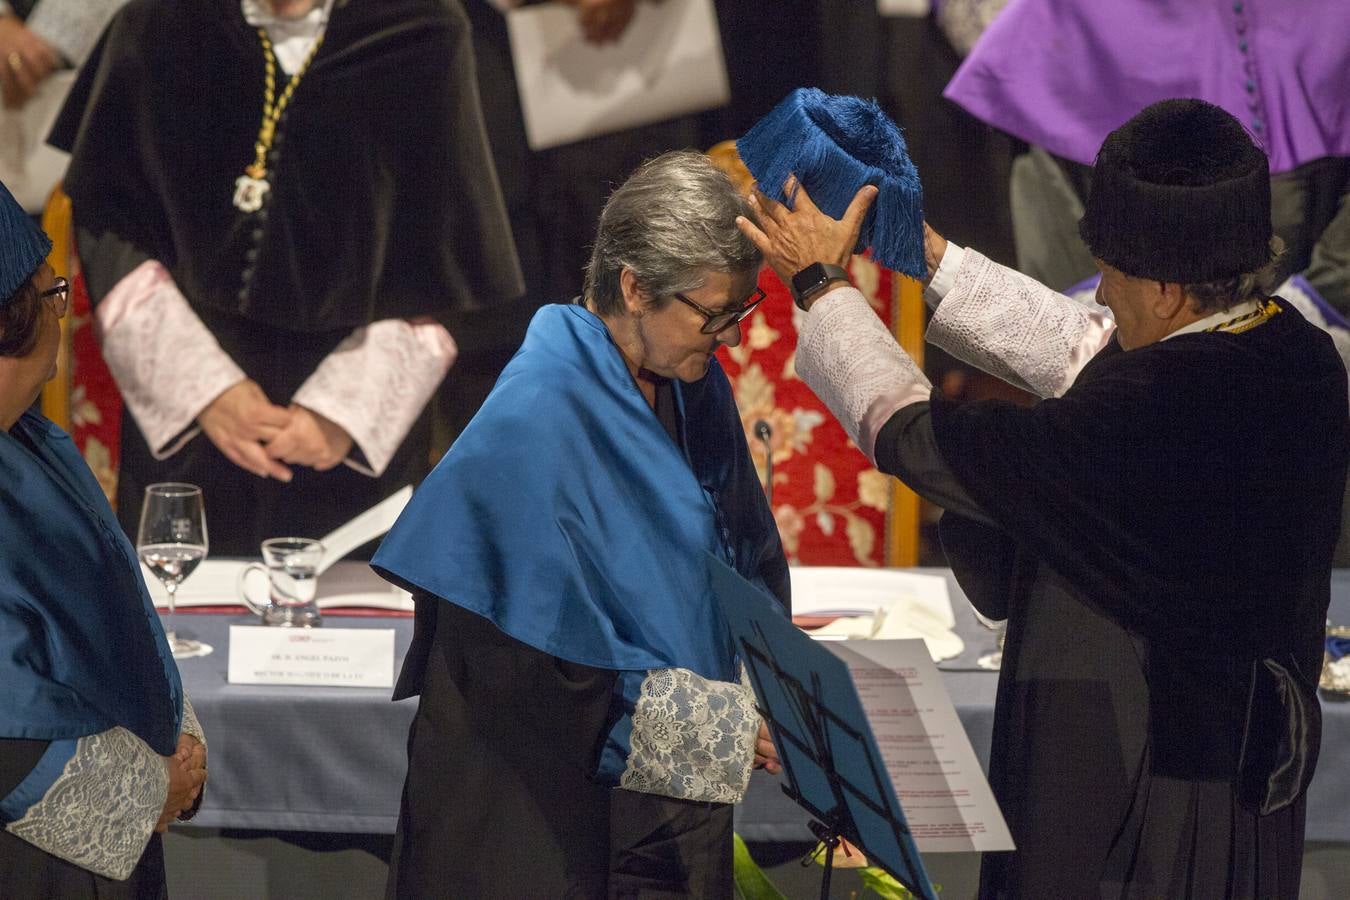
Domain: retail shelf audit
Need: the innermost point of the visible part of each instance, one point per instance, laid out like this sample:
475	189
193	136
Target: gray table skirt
333	759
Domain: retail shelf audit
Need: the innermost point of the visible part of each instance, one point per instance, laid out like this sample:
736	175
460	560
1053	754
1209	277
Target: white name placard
325	657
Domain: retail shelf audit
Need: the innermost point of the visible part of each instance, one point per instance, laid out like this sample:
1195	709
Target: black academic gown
383	203
503	750
1159	540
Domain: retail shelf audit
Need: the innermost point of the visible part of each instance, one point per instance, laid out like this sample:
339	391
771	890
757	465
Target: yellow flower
874	489
760	335
99	460
790	527
754	392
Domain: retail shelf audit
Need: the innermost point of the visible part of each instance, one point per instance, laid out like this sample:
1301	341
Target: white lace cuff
100	812
376	382
165	360
72	27
851	360
1016	328
190	724
692	738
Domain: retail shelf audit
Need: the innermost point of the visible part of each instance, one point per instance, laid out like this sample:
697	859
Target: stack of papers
668	63
350	585
838	603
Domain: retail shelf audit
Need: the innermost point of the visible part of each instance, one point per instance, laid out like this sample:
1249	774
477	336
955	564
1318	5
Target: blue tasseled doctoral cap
835	145
23	246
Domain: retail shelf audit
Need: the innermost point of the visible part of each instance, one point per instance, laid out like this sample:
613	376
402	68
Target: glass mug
291	565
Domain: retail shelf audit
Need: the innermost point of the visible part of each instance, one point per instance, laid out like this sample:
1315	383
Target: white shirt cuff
944	279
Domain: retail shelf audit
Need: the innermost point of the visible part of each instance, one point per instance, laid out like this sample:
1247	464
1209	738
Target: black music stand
830	757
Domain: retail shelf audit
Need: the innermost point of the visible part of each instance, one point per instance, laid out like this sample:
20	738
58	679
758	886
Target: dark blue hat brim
23	246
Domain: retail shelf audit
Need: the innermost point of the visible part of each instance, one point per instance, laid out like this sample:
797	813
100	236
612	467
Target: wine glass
993	660
172	543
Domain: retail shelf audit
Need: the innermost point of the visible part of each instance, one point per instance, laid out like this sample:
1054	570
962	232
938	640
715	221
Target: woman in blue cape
583	727
99	748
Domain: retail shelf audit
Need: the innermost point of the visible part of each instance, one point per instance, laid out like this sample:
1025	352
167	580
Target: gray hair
1225	293
671	222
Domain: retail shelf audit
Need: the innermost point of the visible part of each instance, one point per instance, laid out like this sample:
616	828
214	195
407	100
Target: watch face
809	278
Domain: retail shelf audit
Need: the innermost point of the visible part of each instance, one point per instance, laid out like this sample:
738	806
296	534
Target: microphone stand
764	432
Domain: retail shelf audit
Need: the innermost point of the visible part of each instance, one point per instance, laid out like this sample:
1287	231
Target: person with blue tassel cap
99	747
1157	530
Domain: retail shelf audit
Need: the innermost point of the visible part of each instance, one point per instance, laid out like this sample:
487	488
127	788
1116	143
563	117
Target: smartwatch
813	278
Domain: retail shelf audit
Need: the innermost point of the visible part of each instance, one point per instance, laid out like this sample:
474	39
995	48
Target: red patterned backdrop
829	501
95	405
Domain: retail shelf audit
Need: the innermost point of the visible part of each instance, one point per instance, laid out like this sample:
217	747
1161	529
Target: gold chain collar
251	187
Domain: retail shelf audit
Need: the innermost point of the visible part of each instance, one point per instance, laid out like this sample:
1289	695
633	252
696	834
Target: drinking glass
171	541
292	568
993	660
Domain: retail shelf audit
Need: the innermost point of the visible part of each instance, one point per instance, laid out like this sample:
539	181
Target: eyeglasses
61	291
720	321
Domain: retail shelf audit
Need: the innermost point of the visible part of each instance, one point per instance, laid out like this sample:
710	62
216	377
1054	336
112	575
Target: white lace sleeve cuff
376	382
851	360
100	812
692	738
1016	328
72	27
164	359
190	724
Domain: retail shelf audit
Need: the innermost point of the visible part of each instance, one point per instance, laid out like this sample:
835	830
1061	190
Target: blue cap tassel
835	145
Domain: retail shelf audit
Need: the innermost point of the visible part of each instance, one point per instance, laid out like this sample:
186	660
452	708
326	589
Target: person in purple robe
1061	74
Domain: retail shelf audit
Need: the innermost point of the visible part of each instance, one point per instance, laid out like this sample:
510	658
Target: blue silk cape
81	647
567	516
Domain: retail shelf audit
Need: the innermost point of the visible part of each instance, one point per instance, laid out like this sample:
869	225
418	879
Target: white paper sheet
910	8
878	604
365	528
668	63
948	803
319	657
29	166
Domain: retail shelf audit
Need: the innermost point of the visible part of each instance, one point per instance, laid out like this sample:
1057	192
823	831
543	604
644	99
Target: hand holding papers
667	63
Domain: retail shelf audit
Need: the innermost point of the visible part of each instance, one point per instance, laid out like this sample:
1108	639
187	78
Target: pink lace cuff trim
1016	328
376	382
852	361
165	361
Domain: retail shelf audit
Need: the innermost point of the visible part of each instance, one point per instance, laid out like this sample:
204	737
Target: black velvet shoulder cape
1191	489
384	202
